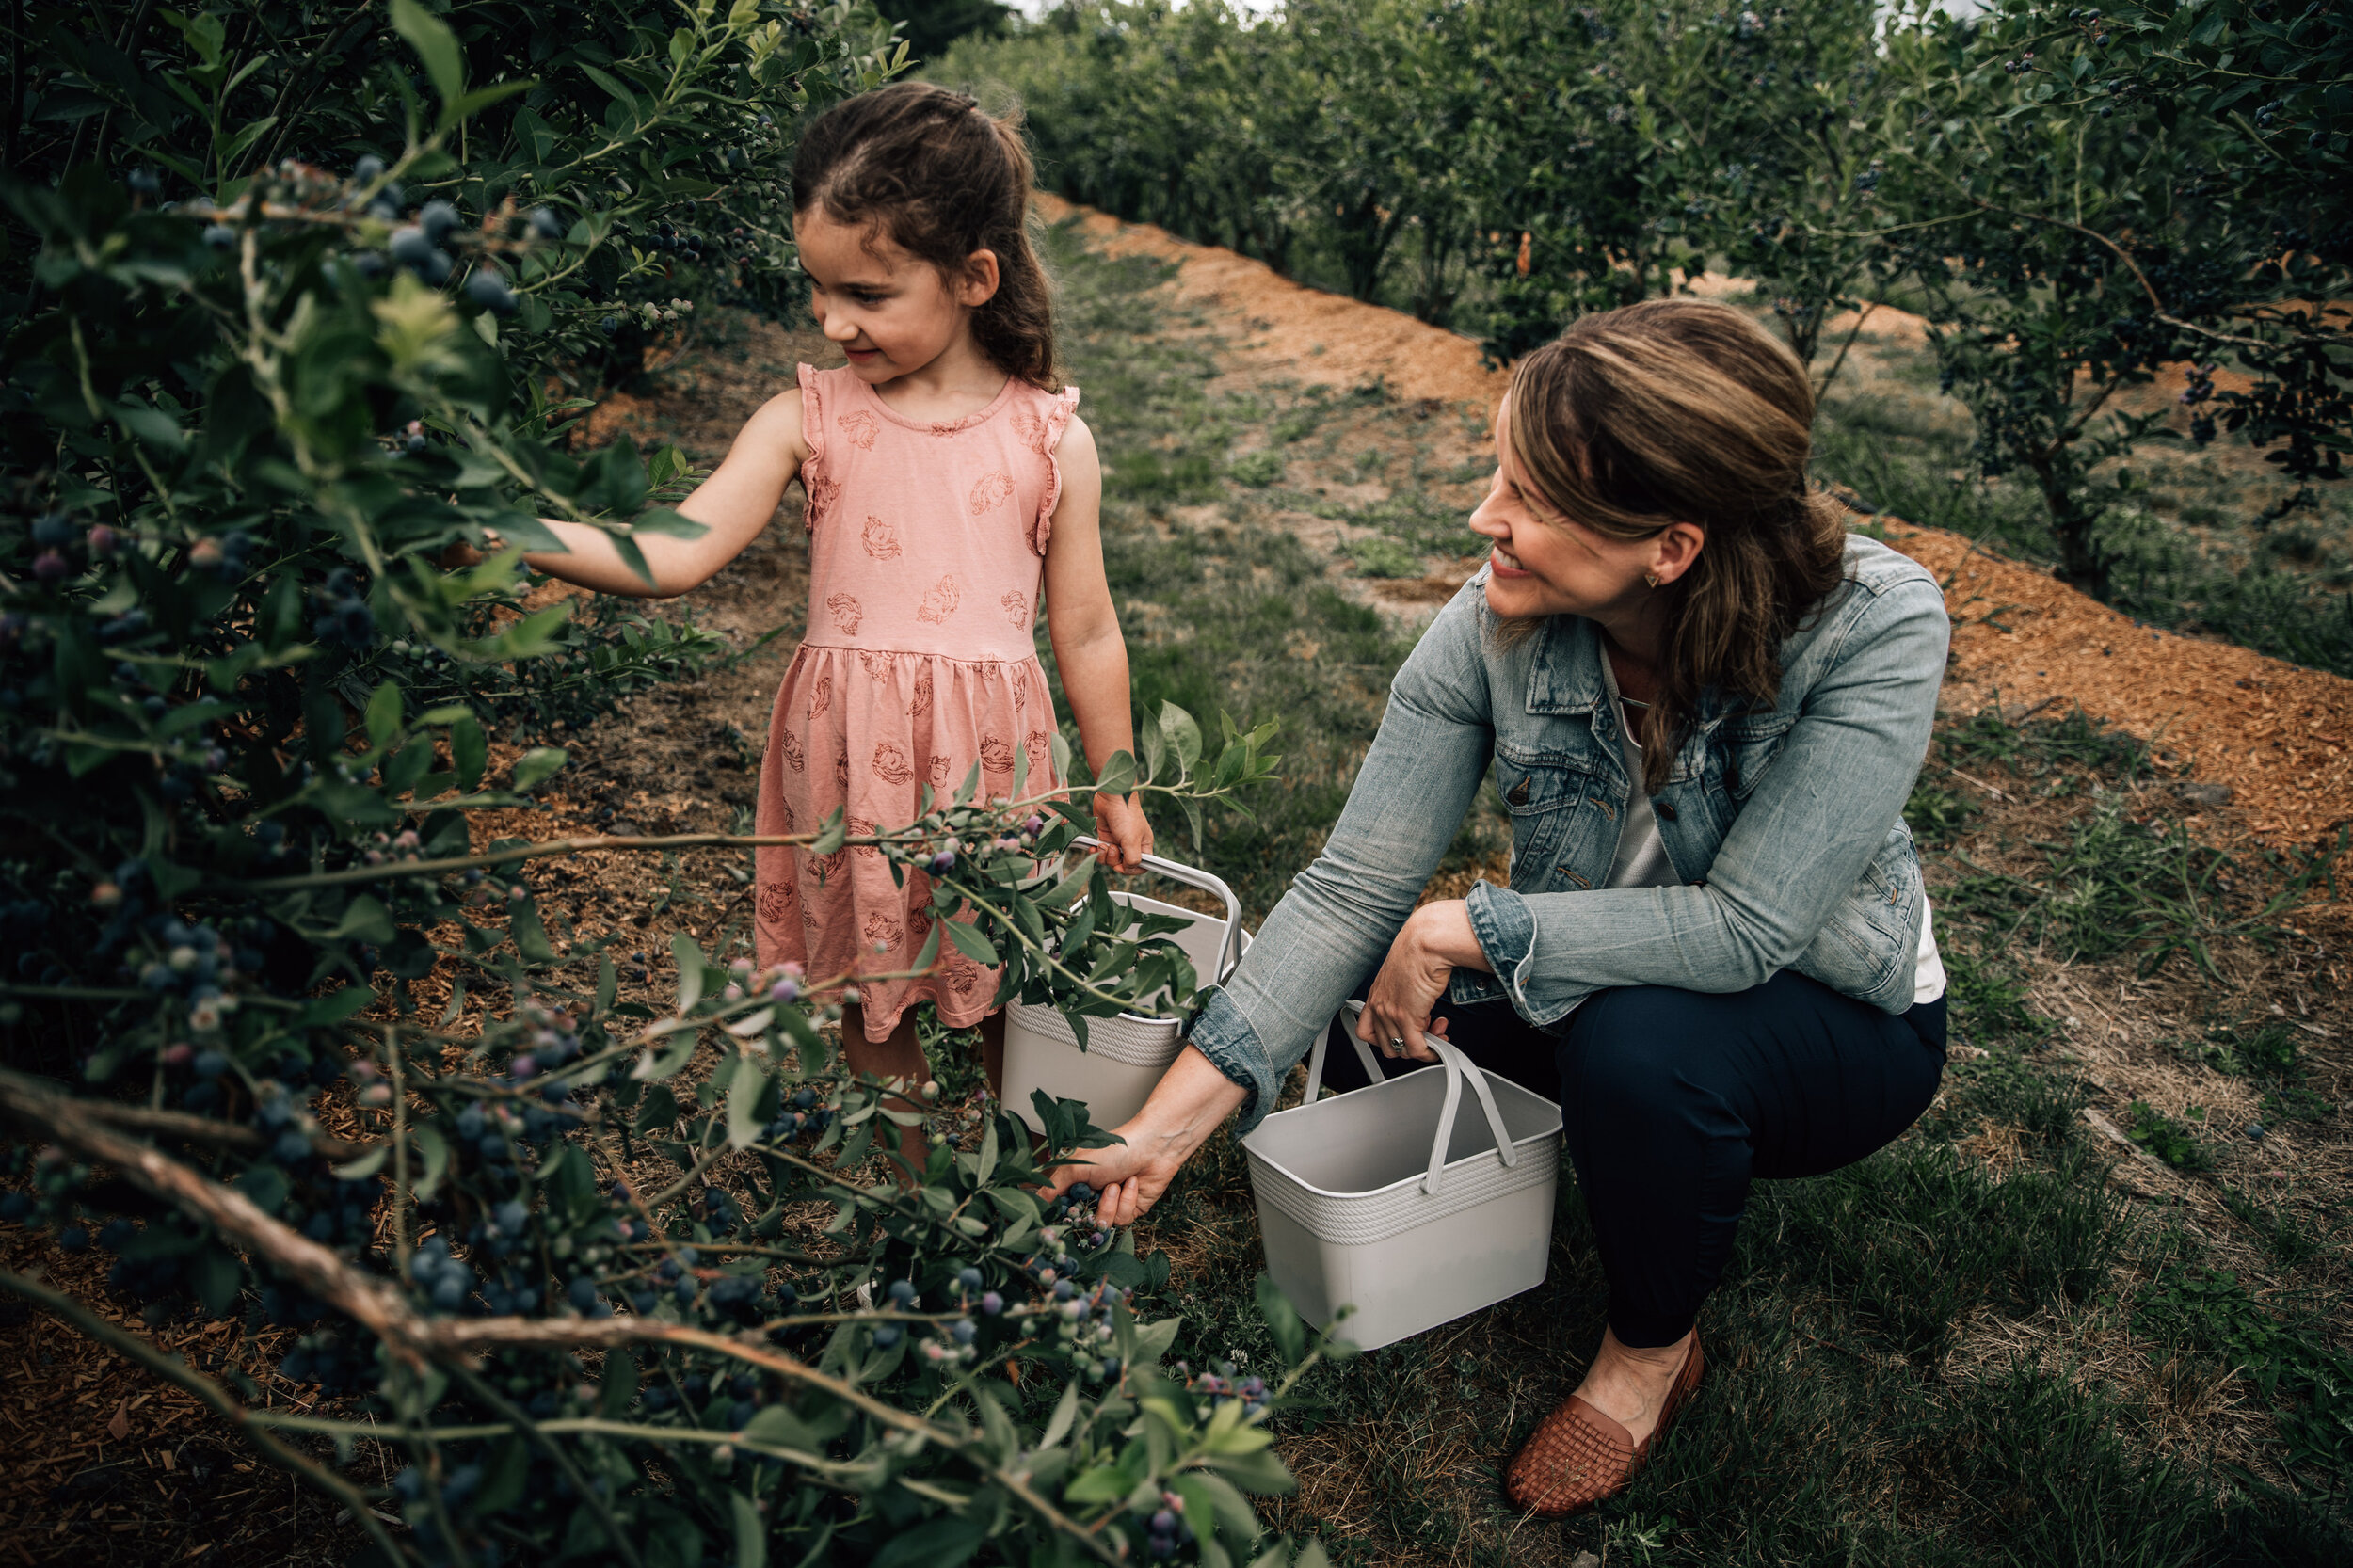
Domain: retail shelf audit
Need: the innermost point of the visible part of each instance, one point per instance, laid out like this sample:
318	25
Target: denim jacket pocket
1542	790
1746	749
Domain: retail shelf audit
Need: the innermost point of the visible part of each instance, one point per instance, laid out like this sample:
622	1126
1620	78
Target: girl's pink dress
927	545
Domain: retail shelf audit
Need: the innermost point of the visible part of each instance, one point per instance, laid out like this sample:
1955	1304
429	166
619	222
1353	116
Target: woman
1704	705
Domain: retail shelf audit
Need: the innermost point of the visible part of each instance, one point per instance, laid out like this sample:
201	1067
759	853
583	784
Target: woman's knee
1624	1051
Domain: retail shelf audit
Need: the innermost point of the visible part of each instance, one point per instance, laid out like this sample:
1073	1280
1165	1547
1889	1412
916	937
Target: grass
1969	1349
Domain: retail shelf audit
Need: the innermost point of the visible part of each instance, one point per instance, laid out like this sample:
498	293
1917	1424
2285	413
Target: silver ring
1396	1041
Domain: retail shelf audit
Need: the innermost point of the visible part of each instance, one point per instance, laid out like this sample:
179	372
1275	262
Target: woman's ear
1674	550
978	285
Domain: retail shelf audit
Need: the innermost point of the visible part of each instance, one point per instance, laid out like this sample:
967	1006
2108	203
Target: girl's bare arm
733	505
1088	647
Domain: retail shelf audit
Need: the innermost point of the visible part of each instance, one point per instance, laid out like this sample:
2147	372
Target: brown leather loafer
1580	1457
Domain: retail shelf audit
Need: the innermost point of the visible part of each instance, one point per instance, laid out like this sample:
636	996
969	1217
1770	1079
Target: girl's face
1546	564
890	312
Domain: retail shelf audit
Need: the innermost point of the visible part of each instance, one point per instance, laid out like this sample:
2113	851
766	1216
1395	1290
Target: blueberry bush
293	296
2075	198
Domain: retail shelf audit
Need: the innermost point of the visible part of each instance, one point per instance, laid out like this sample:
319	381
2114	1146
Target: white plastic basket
1353	1215
1116	1072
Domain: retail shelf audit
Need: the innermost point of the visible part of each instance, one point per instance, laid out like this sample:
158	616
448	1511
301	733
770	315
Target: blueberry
991	1305
74	1239
545	224
885	1336
369	169
290	1146
219	235
437	219
143	182
968	1278
609	326
53	529
449	1292
581	1292
686	1290
963	1330
1064	1289
487	289
901	1293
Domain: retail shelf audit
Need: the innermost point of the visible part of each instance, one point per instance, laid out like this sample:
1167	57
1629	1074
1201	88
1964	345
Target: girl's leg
899	1056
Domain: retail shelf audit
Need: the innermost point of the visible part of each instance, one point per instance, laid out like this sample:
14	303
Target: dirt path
2278	737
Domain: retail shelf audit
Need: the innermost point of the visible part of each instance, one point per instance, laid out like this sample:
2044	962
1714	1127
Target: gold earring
1650	578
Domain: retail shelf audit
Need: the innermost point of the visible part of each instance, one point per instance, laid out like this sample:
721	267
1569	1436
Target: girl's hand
1414	976
457	557
1126	837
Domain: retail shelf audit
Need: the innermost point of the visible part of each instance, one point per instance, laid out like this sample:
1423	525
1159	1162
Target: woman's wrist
1442	933
1192	1099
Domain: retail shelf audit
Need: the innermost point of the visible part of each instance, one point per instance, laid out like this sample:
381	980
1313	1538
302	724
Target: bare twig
188	1128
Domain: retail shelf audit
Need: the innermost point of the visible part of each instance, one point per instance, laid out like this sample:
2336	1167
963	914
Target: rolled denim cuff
1506	929
1221	1034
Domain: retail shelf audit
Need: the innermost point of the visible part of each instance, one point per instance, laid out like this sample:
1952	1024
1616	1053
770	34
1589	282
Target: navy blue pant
1672	1100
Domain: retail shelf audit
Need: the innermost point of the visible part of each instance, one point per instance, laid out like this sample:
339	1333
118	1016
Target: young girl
952	497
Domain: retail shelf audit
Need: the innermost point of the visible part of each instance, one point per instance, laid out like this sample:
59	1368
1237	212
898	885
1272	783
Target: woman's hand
1129	1179
1127	838
1435	940
457	557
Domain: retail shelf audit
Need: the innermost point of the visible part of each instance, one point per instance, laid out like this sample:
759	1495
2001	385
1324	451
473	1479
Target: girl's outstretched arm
733	505
1088	648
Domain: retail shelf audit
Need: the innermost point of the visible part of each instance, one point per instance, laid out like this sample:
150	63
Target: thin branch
505	1408
609	1332
172	1370
188	1128
369	1301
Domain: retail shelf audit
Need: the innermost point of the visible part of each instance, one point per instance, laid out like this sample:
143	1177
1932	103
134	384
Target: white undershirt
1642	862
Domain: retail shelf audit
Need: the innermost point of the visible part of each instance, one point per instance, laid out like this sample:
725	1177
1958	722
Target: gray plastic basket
1121	1063
1354	1215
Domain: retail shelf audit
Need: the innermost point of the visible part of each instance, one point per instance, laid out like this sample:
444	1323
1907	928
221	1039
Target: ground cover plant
2123	227
567	1277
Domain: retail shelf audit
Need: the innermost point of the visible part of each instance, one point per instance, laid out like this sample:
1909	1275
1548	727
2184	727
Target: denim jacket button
1518	795
1663	810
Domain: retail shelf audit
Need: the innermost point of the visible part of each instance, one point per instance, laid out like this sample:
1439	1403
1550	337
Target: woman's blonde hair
1679	410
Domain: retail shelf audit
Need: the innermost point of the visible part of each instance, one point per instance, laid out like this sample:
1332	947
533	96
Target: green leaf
470	751
435	44
833	832
689	959
744	1120
1064	1414
536	766
945	1542
1282	1320
973	944
383	716
530	934
751	1532
215	1273
436	1151
620	1383
1118	777
366	920
363	1167
1103	1485
1184	735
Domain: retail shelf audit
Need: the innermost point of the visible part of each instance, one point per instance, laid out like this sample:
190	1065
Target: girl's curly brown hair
941	179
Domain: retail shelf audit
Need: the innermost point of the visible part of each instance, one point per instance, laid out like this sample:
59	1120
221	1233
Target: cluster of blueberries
1222	1387
802	1116
58	539
1165	1529
344	614
445	1281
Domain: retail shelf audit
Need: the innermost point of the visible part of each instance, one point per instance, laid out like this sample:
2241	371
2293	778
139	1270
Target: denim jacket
1784	826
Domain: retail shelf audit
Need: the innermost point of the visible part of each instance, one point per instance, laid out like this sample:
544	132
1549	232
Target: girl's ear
1673	549
978	285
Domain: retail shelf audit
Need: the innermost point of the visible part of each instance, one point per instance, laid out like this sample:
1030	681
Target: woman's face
892	313
1546	564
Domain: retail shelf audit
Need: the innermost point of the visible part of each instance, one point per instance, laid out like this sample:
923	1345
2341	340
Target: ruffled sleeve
1065	402
816	484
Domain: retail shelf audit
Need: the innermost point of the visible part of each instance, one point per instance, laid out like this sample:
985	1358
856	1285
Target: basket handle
1315	1057
1230	954
1459	1068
